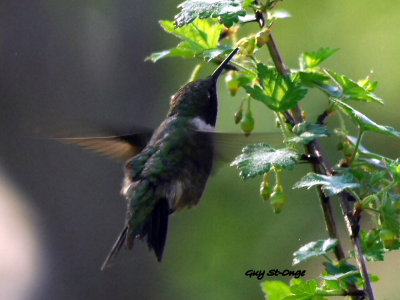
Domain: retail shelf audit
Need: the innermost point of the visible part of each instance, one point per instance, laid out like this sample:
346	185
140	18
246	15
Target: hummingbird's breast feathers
177	162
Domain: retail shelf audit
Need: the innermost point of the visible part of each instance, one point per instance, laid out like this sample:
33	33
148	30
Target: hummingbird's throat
201	125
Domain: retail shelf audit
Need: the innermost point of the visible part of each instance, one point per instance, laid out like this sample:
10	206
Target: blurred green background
76	64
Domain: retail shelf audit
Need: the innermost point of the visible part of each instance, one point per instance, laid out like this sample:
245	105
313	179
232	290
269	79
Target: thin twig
196	72
322	118
360	135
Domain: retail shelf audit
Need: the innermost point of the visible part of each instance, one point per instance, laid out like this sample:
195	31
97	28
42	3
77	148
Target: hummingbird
169	171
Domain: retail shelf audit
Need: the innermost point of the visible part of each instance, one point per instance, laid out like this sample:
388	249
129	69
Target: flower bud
265	189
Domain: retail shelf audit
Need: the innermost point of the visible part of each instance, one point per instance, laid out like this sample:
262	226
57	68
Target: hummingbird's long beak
222	66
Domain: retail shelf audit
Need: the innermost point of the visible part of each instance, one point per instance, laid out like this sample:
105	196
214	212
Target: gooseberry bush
365	183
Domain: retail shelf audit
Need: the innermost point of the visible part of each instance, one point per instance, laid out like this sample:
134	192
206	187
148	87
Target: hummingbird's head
198	99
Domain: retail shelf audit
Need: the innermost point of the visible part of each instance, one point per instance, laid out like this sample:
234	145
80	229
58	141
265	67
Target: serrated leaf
310	79
330	184
278	14
203	33
264	72
329	89
320	81
313	249
248	3
388	216
275	91
339	267
342	275
274	15
303	290
301	287
247	18
211	54
201	38
228	10
342	267
365	123
394	166
307	132
372	245
353	90
367	84
309	60
374	278
180	51
259	158
331	285
275	290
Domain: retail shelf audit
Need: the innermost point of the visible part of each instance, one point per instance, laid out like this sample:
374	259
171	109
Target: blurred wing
120	148
229	145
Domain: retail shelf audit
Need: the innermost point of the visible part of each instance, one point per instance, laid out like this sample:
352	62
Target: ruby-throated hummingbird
170	172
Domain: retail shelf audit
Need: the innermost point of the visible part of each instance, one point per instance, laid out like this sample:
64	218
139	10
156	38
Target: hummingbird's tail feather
119	243
155	231
156	228
222	66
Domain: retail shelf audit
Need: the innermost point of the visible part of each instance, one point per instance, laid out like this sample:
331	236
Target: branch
353	227
322	166
314	150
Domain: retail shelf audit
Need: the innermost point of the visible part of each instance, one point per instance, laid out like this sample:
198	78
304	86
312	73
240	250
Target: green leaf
299	286
298	290
278	14
248	3
202	33
258	159
394	166
329	89
303	290
313	249
363	121
367	84
320	81
210	54
342	275
228	10
372	245
275	290
310	79
275	91
307	132
309	60
354	90
201	38
339	268
374	278
180	51
330	184
388	216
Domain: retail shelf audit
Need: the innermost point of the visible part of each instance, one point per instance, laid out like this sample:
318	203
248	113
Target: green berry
247	123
